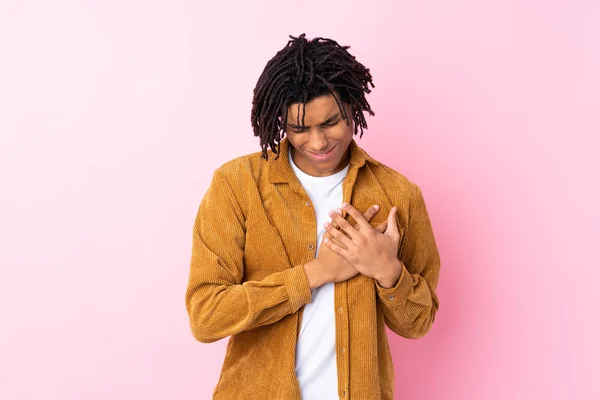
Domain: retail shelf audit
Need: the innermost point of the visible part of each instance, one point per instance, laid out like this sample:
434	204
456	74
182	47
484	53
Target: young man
305	291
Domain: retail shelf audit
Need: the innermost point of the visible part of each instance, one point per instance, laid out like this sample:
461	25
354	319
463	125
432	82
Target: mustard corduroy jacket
254	230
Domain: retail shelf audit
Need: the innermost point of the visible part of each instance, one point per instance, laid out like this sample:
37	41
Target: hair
301	71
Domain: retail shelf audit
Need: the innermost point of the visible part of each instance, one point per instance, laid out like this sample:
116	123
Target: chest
282	227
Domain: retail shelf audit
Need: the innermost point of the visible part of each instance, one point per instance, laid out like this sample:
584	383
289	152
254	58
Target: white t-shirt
316	366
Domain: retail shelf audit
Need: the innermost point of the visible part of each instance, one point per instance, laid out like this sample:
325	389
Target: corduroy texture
254	231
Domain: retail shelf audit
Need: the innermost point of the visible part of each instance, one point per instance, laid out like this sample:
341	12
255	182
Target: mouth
323	156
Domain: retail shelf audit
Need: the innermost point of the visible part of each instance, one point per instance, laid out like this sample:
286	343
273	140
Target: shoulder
230	183
388	178
241	176
243	169
399	190
394	182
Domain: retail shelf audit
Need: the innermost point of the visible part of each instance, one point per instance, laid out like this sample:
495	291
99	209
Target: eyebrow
328	120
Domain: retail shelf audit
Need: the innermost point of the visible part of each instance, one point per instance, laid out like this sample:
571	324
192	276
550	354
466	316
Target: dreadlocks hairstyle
298	73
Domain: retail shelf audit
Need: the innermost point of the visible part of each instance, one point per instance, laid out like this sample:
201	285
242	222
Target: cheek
294	139
349	127
341	130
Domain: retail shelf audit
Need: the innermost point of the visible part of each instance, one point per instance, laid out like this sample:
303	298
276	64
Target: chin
328	166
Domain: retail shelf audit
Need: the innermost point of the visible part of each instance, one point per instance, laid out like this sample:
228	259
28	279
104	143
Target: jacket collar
280	169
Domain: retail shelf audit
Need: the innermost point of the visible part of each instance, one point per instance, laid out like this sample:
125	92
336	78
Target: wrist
390	275
315	274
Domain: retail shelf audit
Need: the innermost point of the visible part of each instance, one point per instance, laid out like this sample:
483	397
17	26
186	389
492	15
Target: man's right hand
330	266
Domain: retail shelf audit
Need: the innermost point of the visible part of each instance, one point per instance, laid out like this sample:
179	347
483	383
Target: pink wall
113	116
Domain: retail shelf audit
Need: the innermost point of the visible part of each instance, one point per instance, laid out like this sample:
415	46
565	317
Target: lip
324	157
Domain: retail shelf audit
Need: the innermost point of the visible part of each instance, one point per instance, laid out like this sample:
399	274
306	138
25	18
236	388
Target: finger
334	240
343	224
338	235
334	223
370	213
358	217
392	228
342	252
382	227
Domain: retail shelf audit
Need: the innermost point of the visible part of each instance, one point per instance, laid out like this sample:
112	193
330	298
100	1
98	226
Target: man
302	281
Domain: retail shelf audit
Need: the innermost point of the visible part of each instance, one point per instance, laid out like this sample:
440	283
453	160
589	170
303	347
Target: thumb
392	227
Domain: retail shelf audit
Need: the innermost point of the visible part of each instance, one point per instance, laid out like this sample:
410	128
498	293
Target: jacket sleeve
218	303
410	306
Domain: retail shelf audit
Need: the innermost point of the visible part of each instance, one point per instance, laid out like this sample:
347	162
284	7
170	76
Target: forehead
315	110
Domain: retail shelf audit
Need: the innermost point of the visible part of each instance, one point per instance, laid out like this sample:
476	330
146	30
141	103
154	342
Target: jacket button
310	246
308	203
392	297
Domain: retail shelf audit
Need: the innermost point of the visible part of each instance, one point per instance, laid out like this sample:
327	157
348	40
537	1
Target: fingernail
376	207
339	210
344	204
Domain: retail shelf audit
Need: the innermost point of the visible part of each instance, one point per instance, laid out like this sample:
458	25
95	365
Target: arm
410	305
218	303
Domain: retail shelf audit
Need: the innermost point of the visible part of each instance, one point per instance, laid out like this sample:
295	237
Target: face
320	146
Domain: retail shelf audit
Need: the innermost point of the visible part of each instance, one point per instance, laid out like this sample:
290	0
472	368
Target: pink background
114	114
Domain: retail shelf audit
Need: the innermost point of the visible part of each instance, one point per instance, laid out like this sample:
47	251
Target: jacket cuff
296	283
395	296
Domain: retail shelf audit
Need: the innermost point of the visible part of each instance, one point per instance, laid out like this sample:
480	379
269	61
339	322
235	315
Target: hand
372	252
331	267
338	267
369	214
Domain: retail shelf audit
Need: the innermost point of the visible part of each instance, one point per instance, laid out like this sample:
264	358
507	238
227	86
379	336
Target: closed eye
325	124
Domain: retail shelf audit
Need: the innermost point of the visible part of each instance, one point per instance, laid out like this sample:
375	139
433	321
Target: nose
318	142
